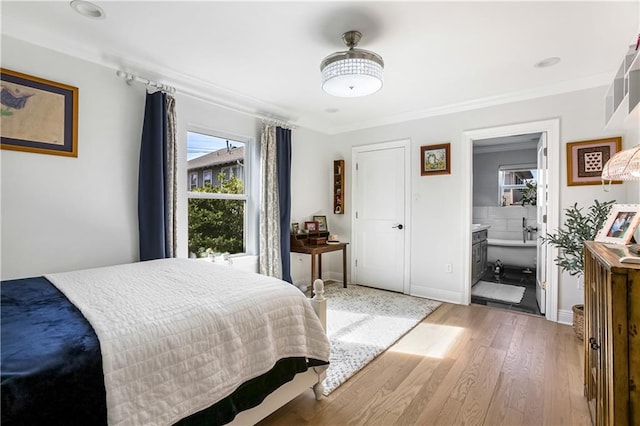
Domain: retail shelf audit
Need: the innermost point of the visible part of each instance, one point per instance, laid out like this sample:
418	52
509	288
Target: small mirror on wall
517	185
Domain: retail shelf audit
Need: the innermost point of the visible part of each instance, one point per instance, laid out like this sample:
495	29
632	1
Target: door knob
399	226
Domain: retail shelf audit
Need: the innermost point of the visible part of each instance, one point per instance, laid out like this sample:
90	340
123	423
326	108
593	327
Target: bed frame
311	378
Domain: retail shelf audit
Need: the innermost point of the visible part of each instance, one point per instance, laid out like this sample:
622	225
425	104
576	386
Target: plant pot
578	321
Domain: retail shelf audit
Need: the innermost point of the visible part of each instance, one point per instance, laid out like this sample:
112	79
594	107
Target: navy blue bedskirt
51	365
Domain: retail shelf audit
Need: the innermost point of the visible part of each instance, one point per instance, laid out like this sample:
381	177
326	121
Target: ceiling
263	57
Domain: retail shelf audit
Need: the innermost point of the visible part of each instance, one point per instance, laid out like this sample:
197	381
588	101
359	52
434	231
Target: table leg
313	269
320	265
344	266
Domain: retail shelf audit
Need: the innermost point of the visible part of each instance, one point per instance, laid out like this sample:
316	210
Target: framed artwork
311	226
322	223
295	228
435	159
38	115
620	225
586	160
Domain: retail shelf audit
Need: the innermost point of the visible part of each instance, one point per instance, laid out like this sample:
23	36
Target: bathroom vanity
478	252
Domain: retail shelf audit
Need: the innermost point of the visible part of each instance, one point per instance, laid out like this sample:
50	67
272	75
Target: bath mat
362	322
495	291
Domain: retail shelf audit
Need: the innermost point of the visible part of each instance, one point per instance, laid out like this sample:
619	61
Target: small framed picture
435	159
322	223
295	228
311	226
586	159
621	223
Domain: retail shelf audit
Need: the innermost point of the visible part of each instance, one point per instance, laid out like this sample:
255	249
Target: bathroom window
512	182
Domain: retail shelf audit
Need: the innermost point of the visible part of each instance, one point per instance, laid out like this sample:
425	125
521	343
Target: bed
171	341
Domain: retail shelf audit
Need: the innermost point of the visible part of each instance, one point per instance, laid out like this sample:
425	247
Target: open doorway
545	134
509	205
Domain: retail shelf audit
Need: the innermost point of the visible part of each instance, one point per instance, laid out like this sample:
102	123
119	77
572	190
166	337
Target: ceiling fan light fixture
354	72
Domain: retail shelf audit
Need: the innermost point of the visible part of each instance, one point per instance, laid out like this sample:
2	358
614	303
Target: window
193	180
206	178
217	207
514	182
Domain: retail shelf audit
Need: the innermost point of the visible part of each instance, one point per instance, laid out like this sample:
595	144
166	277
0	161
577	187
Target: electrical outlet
448	268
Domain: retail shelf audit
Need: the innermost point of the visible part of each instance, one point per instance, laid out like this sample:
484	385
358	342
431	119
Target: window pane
214	160
215	166
216	225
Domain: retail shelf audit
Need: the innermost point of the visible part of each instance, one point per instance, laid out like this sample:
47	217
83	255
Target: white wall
438	200
311	172
62	213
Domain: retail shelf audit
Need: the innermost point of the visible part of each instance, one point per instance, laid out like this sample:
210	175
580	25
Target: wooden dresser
611	336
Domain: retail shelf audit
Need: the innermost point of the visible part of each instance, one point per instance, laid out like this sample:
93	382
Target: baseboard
439	295
565	317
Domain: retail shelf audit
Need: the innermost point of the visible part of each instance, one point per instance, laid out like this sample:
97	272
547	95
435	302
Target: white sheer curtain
270	256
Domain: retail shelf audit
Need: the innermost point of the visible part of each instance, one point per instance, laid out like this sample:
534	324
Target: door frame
552	129
402	143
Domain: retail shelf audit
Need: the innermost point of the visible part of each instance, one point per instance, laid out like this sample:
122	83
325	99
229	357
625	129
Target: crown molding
598	80
245	104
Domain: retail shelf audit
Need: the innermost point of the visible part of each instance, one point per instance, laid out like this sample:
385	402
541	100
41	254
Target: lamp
624	165
354	72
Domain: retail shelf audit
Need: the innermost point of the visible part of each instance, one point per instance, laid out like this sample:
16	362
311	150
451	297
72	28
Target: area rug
362	322
494	291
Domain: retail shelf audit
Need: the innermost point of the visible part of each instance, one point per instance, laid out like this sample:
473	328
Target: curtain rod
170	89
131	77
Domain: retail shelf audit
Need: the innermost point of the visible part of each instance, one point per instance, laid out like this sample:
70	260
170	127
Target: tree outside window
217	207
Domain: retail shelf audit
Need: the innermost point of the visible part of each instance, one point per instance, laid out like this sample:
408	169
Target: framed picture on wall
621	223
435	159
586	160
38	115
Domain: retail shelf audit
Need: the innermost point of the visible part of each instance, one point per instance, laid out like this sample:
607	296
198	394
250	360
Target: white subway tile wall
505	222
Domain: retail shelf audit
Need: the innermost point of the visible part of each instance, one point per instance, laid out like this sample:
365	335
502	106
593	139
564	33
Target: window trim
251	187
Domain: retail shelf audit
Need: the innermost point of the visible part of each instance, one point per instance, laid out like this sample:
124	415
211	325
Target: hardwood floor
461	365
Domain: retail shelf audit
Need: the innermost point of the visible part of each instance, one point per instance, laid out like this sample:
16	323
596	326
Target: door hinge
544	218
356	263
356	215
356	167
544	151
543	284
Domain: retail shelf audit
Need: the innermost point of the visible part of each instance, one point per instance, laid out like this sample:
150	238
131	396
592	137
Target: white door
379	218
541	262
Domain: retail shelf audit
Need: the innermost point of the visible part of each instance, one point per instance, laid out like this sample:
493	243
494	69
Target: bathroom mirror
512	182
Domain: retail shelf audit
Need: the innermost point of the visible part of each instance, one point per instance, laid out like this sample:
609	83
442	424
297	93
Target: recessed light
87	9
549	62
331	110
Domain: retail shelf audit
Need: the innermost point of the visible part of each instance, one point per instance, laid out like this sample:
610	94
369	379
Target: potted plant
570	238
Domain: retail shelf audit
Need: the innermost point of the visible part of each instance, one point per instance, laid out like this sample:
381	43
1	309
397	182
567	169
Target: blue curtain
152	180
283	149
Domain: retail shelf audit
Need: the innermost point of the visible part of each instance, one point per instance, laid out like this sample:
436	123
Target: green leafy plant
216	225
577	229
530	194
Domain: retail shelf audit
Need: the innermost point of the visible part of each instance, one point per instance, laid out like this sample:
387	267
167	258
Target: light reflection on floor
429	340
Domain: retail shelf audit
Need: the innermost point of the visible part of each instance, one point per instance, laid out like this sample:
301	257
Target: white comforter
177	335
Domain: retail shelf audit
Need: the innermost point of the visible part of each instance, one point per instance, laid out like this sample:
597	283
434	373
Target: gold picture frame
586	159
38	115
